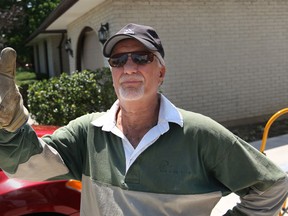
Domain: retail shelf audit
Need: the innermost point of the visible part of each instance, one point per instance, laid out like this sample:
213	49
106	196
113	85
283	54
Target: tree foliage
19	19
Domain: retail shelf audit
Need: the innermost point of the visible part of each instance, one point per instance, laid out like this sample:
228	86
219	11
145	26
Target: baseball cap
144	34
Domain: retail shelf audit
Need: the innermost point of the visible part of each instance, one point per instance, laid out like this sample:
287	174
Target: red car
48	198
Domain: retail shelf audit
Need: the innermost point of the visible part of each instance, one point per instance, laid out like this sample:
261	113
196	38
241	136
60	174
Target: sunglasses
139	58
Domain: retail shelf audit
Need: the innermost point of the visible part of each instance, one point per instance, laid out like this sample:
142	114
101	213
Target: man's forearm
262	203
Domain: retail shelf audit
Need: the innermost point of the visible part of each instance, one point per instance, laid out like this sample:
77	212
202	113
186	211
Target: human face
134	81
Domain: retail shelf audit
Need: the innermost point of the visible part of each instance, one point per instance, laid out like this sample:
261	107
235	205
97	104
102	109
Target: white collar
167	113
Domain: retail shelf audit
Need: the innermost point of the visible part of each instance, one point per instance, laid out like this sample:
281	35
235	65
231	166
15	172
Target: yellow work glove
13	114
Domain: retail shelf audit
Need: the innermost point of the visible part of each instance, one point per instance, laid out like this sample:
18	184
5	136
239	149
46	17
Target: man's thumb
8	62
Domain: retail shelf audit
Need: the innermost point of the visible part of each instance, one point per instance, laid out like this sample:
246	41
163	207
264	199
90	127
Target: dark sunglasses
139	58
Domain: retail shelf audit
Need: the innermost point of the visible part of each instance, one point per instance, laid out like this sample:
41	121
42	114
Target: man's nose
130	67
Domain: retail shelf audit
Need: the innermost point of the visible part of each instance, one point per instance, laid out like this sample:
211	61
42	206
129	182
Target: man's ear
162	72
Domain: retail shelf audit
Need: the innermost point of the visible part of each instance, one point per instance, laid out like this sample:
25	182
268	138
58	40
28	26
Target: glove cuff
20	116
19	120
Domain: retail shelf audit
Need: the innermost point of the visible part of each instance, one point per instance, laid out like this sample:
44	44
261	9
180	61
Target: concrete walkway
277	150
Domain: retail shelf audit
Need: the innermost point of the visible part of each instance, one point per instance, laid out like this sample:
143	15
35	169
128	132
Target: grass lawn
25	77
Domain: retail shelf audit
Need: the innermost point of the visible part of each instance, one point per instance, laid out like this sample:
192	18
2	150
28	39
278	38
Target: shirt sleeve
261	185
265	203
57	156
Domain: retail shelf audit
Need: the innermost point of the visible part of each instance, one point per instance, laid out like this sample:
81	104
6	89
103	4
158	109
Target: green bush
60	99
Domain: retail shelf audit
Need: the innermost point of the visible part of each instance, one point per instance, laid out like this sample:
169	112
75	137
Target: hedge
61	99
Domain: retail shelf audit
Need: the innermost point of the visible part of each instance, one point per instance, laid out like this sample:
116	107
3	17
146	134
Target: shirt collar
167	113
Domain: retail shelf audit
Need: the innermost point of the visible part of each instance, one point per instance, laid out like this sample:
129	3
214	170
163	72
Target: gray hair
160	58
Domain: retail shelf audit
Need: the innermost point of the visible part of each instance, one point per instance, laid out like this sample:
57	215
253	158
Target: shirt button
124	185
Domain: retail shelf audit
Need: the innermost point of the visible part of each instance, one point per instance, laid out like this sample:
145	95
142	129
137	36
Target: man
144	156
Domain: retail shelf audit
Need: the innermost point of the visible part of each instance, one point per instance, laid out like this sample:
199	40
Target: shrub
23	89
60	99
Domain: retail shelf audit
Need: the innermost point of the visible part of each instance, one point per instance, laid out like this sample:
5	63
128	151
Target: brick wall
226	59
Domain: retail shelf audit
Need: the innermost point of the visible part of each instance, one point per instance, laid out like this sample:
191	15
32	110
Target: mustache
134	77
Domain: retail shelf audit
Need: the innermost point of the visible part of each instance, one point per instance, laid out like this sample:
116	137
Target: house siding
226	59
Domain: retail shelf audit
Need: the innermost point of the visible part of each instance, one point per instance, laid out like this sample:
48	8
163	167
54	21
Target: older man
144	156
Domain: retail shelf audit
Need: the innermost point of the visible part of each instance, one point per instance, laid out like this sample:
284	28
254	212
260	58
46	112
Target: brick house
226	59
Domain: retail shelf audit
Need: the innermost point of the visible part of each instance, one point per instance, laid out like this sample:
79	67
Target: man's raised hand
13	114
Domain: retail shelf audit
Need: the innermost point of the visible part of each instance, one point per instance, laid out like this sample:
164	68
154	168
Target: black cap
144	34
